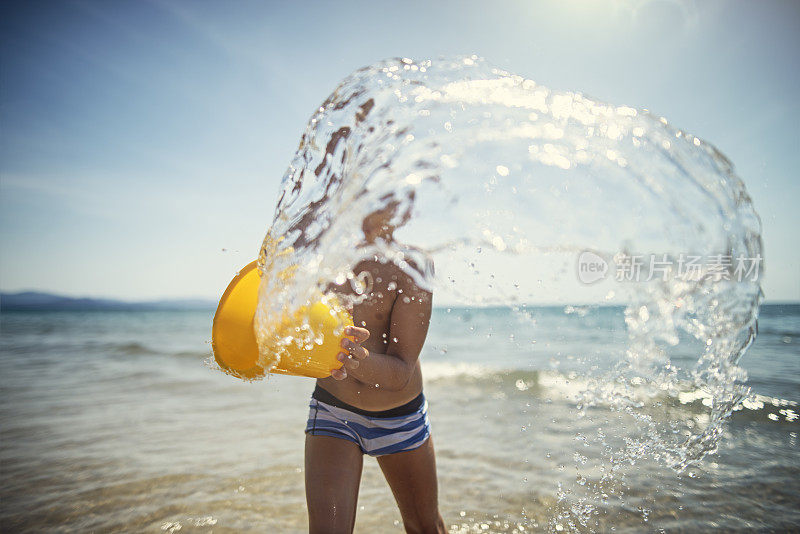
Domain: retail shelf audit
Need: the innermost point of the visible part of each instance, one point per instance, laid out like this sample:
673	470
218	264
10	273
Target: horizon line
215	300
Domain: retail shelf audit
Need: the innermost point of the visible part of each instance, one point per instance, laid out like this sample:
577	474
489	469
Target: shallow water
111	422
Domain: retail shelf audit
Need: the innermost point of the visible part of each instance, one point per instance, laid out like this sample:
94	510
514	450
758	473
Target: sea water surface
111	422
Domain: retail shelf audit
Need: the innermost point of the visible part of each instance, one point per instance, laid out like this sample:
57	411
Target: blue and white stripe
375	436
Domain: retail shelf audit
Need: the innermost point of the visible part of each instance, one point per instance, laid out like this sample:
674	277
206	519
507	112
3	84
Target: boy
374	404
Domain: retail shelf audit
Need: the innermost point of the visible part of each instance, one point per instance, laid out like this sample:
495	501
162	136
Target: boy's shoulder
392	274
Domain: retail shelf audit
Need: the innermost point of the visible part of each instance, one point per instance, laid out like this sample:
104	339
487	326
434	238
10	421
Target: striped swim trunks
399	429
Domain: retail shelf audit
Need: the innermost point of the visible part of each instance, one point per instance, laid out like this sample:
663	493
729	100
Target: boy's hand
353	351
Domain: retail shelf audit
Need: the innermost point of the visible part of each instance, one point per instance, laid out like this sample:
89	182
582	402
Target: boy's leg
412	477
333	474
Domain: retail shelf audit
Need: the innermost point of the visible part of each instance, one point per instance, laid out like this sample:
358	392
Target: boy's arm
411	315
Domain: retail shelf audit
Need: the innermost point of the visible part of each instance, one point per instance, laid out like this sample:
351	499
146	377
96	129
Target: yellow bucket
233	337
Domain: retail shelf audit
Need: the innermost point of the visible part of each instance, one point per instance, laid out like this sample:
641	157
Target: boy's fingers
339	374
354	349
358	352
350	361
360	334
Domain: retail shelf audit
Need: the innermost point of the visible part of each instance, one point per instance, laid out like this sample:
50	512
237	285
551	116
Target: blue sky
140	139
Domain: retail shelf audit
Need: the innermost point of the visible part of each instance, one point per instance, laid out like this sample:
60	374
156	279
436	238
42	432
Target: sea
119	421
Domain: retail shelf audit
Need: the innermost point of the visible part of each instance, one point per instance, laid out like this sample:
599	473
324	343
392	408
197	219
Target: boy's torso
385	282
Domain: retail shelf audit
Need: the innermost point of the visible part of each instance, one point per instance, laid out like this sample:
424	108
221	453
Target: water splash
491	176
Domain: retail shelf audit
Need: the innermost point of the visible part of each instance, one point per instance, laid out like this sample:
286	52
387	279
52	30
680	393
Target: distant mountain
34	300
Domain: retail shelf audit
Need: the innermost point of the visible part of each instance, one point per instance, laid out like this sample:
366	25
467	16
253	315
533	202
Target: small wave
193	354
572	388
134	348
131	348
442	370
778	332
